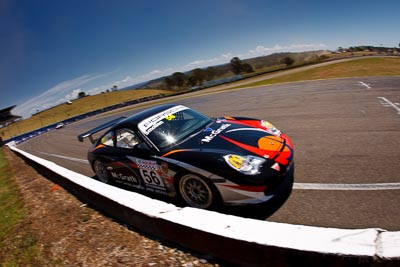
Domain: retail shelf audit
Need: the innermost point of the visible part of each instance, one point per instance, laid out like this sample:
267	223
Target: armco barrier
233	240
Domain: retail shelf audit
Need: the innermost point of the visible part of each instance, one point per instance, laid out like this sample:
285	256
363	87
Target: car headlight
249	165
271	128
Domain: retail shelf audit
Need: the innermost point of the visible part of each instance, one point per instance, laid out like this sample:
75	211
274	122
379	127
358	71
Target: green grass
79	106
356	68
17	245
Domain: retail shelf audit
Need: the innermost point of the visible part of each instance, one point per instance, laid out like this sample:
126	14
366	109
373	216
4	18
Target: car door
136	165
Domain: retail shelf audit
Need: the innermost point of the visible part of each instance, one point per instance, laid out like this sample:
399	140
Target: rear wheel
101	172
196	192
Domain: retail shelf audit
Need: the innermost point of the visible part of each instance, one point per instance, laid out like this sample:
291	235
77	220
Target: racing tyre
101	172
197	193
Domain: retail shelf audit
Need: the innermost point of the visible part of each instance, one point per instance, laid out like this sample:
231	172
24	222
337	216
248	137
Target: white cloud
73	95
152	75
51	97
203	63
129	80
260	50
126	80
227	55
68	90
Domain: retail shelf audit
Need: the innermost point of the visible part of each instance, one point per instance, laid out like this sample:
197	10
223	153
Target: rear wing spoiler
89	133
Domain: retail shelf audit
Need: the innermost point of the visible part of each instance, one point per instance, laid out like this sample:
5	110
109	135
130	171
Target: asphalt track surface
346	134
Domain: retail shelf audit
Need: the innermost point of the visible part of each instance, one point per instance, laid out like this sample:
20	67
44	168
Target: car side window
108	139
126	138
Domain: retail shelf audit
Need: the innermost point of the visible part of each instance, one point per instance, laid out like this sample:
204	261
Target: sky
51	50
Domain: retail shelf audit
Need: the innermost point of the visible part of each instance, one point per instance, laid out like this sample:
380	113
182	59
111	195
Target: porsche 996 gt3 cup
176	151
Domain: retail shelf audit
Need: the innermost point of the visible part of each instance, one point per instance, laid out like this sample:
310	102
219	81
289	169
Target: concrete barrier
230	239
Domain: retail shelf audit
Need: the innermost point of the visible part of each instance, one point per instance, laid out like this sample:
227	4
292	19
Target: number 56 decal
151	178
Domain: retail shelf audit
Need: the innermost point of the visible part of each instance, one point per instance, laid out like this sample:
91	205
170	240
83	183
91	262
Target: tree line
195	77
180	81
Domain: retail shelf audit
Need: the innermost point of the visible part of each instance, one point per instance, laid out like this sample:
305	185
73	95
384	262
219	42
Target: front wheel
101	172
196	192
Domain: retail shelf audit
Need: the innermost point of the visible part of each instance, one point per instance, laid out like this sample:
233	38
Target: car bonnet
242	139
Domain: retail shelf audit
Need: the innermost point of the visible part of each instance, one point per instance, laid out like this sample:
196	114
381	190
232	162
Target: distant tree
247	68
169	83
210	73
114	88
192	81
200	75
179	79
288	61
81	95
236	65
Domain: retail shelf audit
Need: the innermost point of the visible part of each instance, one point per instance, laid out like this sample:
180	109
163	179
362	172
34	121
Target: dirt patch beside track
72	234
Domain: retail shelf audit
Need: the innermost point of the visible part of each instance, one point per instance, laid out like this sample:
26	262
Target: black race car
176	151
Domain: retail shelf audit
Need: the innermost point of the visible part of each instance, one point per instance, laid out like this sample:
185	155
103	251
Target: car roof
133	120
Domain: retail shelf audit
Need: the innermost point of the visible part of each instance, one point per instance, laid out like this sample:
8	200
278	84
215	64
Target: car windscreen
173	125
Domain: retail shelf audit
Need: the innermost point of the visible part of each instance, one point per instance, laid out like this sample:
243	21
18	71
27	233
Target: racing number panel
141	172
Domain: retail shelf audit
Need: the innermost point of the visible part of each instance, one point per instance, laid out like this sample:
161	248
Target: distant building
6	118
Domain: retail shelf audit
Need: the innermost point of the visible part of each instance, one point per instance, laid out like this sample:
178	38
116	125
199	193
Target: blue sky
50	50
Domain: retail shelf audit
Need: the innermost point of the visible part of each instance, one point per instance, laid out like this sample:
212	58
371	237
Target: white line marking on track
377	186
389	103
298	186
364	84
65	157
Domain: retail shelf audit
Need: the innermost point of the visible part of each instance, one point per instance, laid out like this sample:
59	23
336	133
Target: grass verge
356	68
78	106
18	246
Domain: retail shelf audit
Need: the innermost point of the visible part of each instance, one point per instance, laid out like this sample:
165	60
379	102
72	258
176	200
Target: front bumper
233	195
